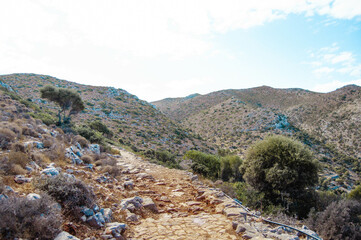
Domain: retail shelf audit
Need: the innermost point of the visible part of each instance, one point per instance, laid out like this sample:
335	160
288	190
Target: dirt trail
182	214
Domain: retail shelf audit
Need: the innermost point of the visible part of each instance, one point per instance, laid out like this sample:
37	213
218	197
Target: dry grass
87	159
19	158
71	193
6	137
30	219
82	141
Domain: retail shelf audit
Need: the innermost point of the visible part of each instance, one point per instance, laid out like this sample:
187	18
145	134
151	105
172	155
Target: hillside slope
234	119
136	122
127	197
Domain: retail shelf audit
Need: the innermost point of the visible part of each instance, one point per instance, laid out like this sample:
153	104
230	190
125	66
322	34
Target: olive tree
68	100
281	167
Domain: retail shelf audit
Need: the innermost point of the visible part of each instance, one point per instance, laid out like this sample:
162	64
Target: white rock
65	236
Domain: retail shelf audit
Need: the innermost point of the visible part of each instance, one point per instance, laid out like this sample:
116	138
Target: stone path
201	226
181	215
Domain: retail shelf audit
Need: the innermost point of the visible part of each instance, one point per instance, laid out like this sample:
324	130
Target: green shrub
283	169
355	193
230	168
101	127
69	192
90	134
206	164
29	219
45	117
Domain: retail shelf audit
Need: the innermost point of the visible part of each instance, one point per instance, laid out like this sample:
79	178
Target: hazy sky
172	48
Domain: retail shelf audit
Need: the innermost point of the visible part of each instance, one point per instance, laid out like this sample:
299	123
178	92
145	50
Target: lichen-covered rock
135	201
95	148
65	236
50	171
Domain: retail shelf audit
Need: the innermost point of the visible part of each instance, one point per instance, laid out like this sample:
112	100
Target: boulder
149	204
3	196
144	176
135	201
107	214
65	236
96	221
115	226
129	185
131	217
50	171
39	145
22	179
240	229
95	148
33	196
73	157
87	212
233	211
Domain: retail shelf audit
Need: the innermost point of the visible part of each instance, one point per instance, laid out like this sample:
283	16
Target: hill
134	122
235	119
59	186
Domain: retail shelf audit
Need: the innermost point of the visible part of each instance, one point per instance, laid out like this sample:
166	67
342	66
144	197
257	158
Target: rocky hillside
133	121
237	118
59	186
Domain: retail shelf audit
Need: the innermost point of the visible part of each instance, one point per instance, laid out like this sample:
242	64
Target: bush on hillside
13	164
341	220
162	157
29	219
101	127
207	165
46	118
87	159
82	141
230	168
280	163
92	135
6	137
70	192
355	194
283	169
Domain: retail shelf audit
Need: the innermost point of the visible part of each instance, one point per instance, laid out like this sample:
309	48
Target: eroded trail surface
184	210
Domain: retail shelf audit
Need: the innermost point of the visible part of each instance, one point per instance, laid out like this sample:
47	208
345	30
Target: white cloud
330	59
325	70
331	86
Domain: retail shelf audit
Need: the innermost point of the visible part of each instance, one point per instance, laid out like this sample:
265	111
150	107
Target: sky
172	48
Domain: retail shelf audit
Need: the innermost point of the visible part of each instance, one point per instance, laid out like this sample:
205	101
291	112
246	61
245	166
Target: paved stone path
191	219
201	226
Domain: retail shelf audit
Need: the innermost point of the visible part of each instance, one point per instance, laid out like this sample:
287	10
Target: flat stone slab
232	211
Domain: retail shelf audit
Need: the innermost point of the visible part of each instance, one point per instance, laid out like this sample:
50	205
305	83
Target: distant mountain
134	121
327	122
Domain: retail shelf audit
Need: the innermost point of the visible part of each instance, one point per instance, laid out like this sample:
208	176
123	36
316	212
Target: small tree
68	100
282	168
